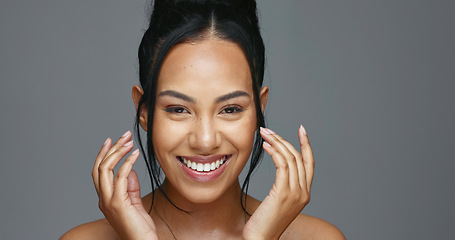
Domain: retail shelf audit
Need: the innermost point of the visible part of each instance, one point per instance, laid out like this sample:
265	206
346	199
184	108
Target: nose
205	137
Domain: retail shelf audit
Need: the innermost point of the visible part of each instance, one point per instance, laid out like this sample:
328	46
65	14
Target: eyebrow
177	95
231	95
187	98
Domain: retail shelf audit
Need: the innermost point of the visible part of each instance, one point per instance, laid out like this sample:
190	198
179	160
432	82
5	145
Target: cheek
166	136
241	134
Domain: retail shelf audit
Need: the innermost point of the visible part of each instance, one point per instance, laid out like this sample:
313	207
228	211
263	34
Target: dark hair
177	21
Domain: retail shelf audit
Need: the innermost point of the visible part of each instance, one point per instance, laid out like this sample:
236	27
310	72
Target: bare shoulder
308	227
100	229
304	226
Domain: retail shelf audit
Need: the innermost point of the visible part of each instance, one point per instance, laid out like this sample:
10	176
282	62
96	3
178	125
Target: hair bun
203	2
240	5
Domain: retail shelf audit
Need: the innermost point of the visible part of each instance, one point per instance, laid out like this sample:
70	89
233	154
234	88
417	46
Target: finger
292	157
106	146
302	176
134	188
282	169
134	192
106	170
276	141
122	181
289	158
307	153
118	144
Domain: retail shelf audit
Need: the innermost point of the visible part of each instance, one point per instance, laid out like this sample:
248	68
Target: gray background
372	81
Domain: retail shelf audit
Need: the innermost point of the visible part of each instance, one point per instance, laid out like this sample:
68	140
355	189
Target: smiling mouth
203	167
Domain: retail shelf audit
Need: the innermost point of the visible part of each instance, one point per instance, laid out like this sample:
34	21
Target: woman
201	102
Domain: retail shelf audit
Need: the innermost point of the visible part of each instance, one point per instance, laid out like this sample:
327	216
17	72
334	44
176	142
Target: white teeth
206	167
200	167
203	167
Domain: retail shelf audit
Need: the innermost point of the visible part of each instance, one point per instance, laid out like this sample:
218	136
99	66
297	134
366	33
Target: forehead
207	65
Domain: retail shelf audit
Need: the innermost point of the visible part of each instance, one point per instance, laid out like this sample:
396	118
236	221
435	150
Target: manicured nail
128	143
135	152
302	129
126	134
269	131
267	144
105	142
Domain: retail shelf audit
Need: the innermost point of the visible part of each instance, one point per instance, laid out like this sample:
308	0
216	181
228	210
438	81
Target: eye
176	110
232	110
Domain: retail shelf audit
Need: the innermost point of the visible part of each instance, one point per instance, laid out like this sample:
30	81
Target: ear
137	93
263	97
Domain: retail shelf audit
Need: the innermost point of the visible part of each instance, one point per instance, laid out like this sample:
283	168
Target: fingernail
302	129
135	152
126	134
105	142
128	143
269	131
267	144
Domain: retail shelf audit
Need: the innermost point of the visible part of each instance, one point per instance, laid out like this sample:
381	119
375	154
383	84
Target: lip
204	176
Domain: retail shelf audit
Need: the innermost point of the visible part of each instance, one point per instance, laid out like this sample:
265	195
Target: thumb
134	188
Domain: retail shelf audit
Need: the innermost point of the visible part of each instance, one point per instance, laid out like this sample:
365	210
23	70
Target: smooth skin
207	120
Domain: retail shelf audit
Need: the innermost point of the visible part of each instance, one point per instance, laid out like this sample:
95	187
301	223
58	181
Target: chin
196	193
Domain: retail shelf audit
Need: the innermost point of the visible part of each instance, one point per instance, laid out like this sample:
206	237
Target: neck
219	217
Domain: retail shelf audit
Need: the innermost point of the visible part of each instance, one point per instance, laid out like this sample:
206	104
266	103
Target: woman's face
205	118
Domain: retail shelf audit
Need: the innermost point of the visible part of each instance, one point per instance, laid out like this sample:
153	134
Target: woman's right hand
120	194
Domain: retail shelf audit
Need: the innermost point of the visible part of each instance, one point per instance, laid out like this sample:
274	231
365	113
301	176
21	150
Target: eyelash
234	109
228	110
176	110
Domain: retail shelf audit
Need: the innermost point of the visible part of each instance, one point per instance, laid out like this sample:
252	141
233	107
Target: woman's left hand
290	192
